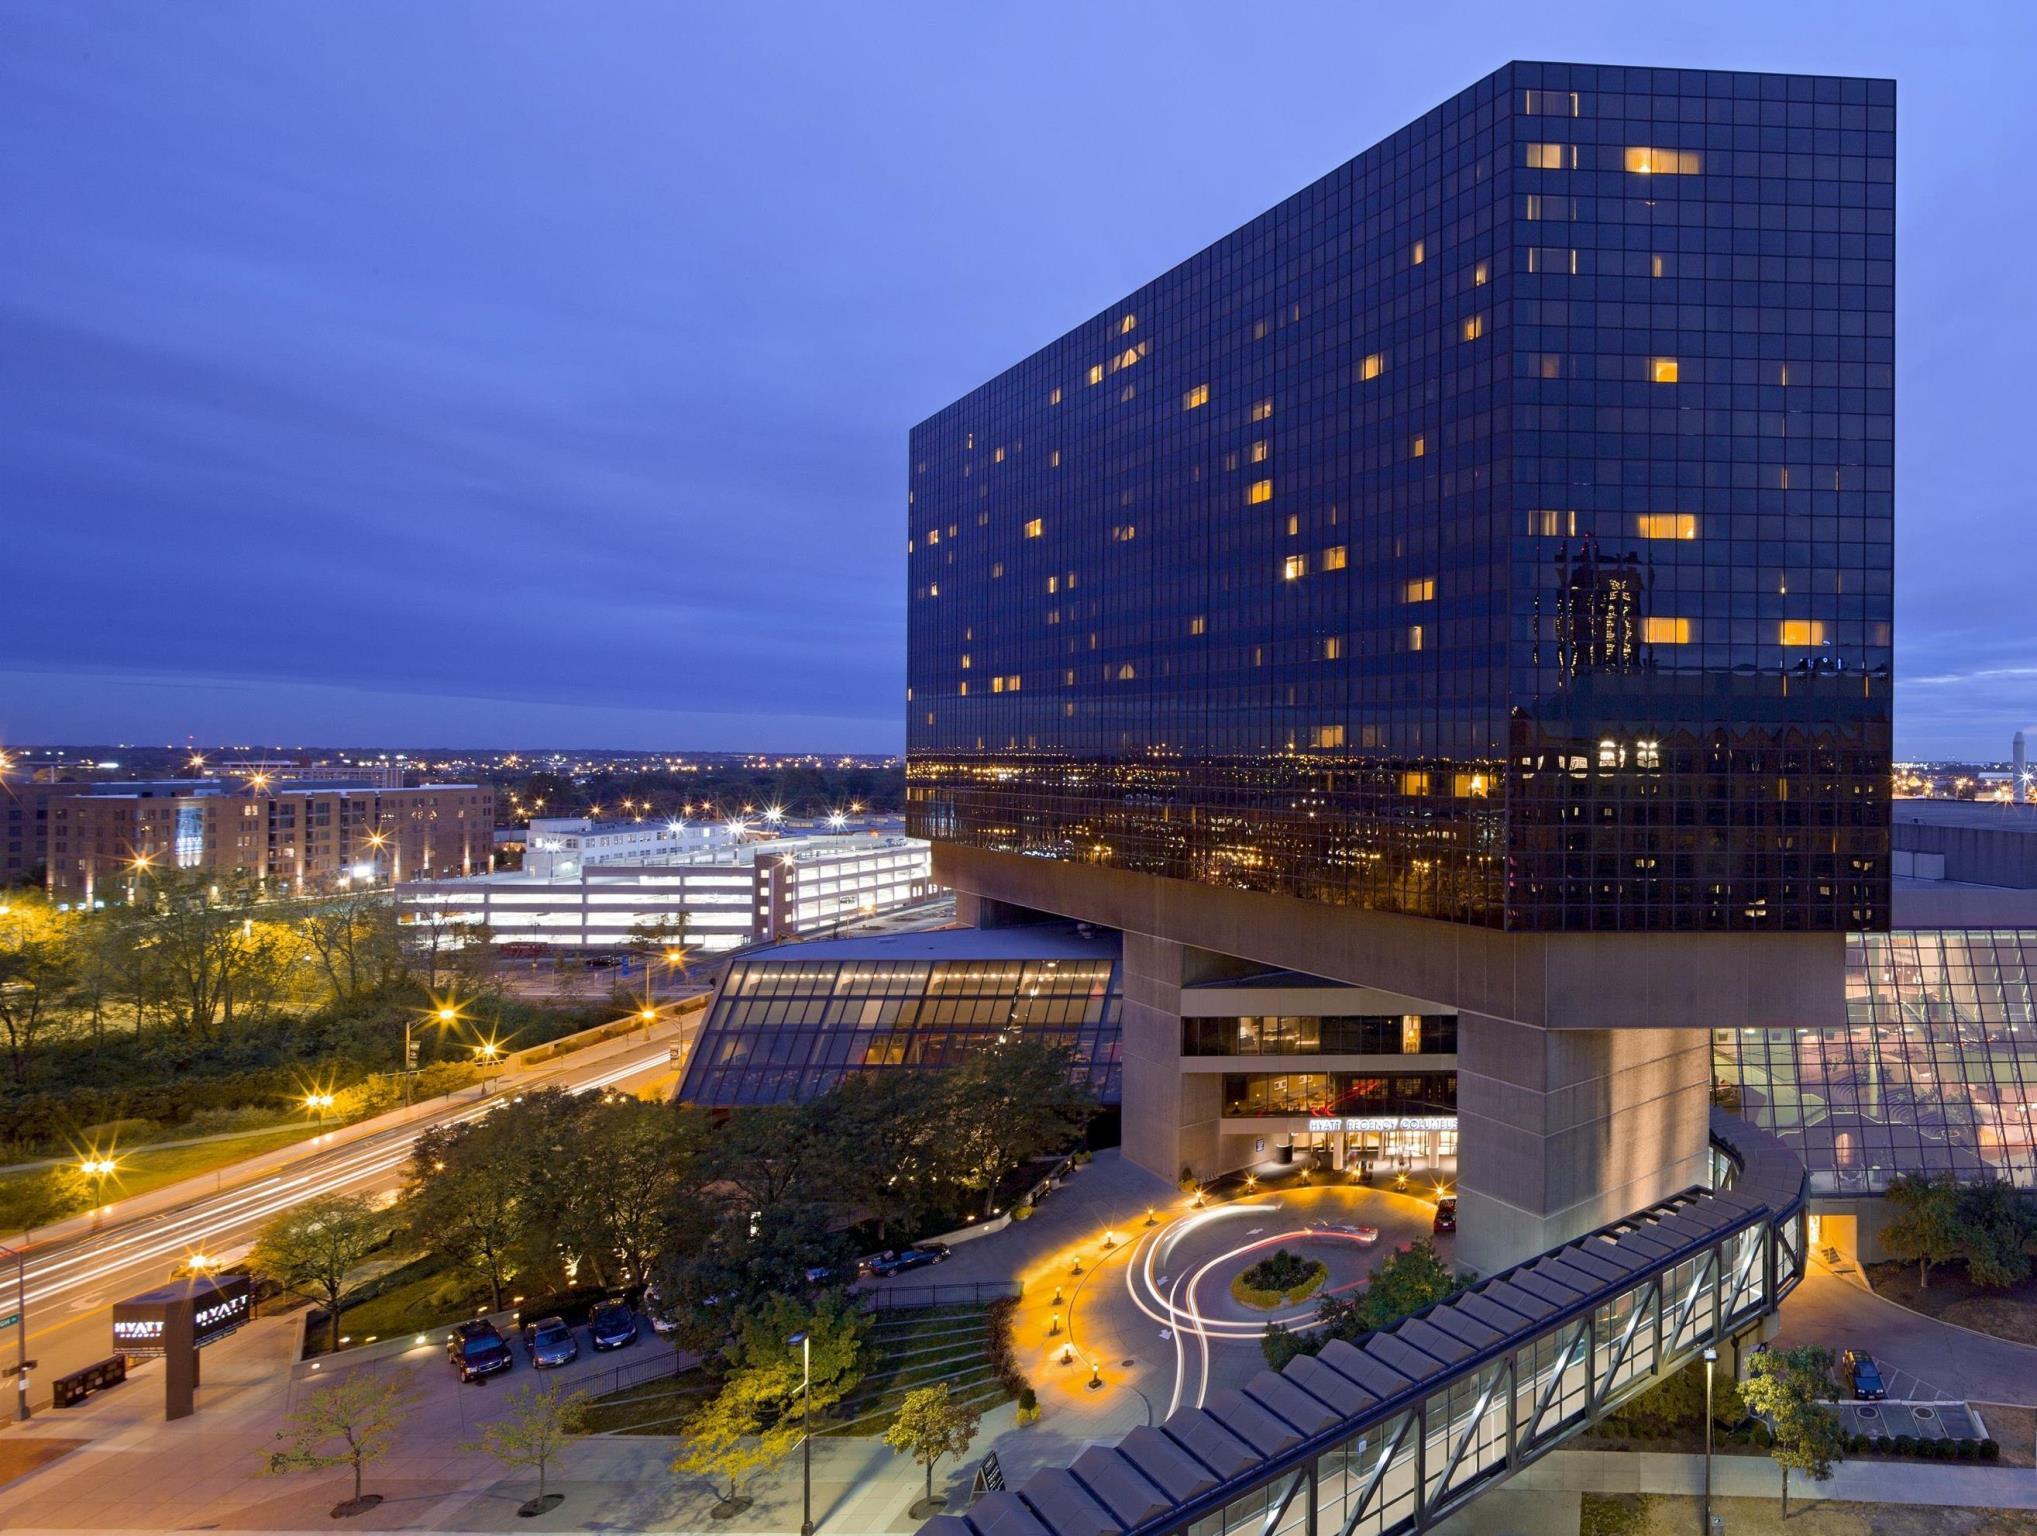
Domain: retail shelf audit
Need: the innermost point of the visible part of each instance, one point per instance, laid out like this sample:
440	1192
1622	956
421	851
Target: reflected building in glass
1470	581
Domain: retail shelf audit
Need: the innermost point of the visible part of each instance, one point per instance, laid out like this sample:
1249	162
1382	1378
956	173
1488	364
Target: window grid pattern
787	1031
1583	729
1332	1035
1935	1071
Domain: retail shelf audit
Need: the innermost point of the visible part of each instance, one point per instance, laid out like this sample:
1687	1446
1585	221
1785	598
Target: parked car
550	1342
477	1349
1863	1376
1446	1215
895	1261
612	1325
654	1310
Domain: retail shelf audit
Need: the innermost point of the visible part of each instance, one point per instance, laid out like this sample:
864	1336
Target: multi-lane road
72	1281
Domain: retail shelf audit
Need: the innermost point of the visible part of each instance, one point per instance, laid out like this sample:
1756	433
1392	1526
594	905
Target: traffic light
410	1055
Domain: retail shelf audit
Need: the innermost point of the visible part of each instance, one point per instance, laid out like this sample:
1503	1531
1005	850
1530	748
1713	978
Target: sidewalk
1757	1477
170	1196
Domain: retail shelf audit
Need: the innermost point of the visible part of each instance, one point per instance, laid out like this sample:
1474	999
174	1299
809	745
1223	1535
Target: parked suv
1446	1215
477	1349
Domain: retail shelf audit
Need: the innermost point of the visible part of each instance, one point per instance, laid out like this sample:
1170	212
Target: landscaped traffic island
1279	1280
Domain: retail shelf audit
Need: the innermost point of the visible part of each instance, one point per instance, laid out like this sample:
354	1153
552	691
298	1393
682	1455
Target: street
73	1279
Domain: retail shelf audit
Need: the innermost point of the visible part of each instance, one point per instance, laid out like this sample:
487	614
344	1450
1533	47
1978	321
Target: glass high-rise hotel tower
1499	529
1469	583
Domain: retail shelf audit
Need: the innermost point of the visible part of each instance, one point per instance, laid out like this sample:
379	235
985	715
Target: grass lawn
2014	1429
1648	1514
653	1407
2007	1314
145	1168
414	1299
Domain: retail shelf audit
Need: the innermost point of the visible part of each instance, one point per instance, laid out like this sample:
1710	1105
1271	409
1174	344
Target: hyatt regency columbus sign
173	1322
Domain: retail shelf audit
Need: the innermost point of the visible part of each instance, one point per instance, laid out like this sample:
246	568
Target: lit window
1552	157
965	661
1647	754
1131	355
1195	397
1294	567
1125	325
965	688
1552	525
1655	266
1661	631
1545	365
996	569
1054	459
1552	258
1609	753
1327	736
1666	525
1418	446
1803	632
1468	785
997	456
1662	370
1418	253
1664	162
1053	585
1259	451
1293	524
1333	647
1415	781
1262	490
1033	529
1474	327
1261	409
1198	625
933	589
1373	366
1126	673
1481	274
1550	103
1054	396
1415	637
933	535
1335	558
1096	373
1420	589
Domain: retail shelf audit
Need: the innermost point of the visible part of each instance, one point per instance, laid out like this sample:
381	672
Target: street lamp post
805	1343
21	1361
1711	1360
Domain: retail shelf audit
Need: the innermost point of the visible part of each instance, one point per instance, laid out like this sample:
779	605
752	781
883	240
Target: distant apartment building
297	836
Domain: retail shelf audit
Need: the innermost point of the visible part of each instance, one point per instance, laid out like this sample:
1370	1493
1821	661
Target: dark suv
1446	1215
1863	1376
477	1349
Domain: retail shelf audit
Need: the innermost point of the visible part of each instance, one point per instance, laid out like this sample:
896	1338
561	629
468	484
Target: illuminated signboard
1334	1123
219	1305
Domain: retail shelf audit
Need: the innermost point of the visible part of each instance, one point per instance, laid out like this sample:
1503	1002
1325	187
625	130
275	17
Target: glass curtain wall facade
1499	529
1936	1070
786	1031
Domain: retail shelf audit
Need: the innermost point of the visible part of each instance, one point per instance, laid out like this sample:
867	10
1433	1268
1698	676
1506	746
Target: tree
773	1372
1408	1279
38	971
312	1249
1008	1102
726	1441
1925	1229
465	1197
1996	1221
742	1259
536	1427
883	1132
932	1422
362	1410
355	941
773	1155
633	1160
1790	1388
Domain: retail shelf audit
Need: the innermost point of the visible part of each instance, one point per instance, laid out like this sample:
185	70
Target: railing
1395	1431
911	1297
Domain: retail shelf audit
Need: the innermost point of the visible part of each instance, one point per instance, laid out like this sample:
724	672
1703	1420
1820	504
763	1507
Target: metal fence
907	1298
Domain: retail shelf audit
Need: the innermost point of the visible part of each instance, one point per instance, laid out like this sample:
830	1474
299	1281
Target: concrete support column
1154	1135
1564	1130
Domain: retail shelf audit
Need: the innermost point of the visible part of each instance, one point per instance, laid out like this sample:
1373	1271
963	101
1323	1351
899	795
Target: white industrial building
731	889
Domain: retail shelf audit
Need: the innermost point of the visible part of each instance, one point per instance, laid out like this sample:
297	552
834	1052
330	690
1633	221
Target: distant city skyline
381	374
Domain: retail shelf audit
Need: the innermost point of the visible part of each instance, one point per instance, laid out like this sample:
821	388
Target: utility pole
21	1360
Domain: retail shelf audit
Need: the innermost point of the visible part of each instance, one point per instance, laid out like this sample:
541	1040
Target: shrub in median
1990	1451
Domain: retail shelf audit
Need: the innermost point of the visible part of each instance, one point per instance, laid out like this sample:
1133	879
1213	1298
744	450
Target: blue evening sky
505	373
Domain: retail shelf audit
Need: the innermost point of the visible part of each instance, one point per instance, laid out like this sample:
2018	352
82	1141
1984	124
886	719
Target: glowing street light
774	814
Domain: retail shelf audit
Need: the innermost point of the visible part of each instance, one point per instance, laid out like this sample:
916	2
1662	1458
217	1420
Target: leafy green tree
466	1201
883	1133
538	1424
775	1155
1996	1221
772	1370
38	974
1009	1102
356	944
351	1420
1925	1228
932	1422
632	1161
1408	1279
313	1249
1790	1389
726	1440
743	1258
